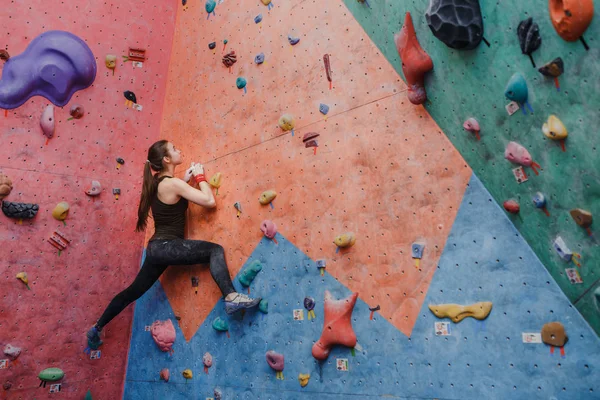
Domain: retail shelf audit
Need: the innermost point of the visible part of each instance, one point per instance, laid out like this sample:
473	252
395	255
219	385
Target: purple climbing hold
275	360
309	303
55	65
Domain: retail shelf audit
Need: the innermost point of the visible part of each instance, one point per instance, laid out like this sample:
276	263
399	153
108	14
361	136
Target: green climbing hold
263	306
247	276
220	325
51	374
210	6
225	41
88	395
240	83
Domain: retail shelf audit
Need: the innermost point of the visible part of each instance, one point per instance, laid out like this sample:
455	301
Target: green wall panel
471	84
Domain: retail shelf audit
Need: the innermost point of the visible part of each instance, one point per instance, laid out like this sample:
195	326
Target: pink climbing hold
47	123
337	328
275	360
163	333
207	361
12	352
164	374
268	228
471	125
518	154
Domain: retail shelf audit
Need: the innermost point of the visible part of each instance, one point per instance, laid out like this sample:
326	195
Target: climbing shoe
239	302
93	338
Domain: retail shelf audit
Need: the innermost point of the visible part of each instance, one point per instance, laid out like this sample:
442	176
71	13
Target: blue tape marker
272	206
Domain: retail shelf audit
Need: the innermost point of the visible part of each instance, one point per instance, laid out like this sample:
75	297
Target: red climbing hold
415	61
337	328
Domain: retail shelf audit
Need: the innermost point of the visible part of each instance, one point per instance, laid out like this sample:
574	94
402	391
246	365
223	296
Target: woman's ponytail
156	152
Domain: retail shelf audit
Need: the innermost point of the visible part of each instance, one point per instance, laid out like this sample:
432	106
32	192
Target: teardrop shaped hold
415	61
529	37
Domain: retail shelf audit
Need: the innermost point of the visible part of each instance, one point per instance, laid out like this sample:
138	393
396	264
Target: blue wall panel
485	259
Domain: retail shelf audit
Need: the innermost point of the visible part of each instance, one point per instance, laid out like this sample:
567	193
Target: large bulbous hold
457	23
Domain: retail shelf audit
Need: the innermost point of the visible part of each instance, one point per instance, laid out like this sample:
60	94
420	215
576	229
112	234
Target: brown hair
156	152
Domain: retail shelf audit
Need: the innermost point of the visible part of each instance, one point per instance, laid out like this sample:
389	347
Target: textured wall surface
471	84
383	169
68	292
485	259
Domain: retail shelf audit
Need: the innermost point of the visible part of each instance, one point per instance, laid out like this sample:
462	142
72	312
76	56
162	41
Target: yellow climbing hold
345	240
267	196
22	276
303	378
554	128
286	122
187	374
61	211
215	180
457	312
266	2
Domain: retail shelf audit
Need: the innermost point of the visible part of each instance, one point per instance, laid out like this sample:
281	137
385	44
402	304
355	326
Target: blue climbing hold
240	82
323	108
258	19
539	200
210	6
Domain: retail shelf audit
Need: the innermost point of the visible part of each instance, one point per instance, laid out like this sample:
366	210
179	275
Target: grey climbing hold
260	58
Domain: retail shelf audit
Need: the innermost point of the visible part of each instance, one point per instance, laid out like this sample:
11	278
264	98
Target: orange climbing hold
337	328
415	61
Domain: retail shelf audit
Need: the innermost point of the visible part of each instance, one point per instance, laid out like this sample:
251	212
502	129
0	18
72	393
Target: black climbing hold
376	308
212	45
129	95
529	37
19	210
183	2
457	23
120	160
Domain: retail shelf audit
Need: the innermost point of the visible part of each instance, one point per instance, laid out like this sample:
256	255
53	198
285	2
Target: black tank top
169	219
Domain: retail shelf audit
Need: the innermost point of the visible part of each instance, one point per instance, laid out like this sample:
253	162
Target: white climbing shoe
239	302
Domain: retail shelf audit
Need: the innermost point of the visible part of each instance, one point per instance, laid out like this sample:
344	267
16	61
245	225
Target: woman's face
174	154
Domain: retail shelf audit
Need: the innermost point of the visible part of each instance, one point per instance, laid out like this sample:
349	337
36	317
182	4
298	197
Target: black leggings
159	255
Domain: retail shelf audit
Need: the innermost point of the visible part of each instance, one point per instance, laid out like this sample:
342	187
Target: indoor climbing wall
69	290
380	162
468	84
382	170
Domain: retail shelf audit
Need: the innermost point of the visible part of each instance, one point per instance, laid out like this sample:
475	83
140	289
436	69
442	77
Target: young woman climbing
168	198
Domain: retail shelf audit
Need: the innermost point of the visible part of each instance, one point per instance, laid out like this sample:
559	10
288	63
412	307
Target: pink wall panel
68	292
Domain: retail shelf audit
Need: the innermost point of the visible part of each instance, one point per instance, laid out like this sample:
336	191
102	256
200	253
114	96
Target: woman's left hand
188	173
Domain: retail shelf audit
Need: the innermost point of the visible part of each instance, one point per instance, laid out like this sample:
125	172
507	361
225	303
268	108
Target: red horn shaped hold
337	328
415	61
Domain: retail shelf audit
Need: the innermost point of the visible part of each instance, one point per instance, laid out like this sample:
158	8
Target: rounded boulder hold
553	333
163	333
268	228
61	211
457	23
267	196
286	122
275	360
